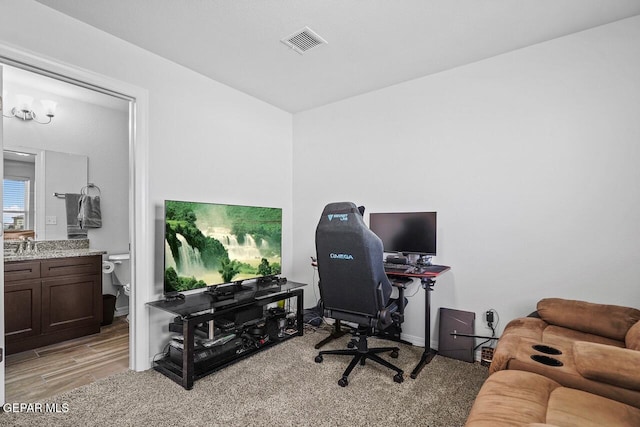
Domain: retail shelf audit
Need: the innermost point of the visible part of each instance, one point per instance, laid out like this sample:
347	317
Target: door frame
3	347
140	222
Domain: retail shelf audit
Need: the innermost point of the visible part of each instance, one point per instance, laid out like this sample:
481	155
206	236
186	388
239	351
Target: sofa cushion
632	339
611	365
510	398
611	321
569	407
564	336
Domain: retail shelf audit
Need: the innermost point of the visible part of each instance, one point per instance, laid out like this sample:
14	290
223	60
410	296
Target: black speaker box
460	322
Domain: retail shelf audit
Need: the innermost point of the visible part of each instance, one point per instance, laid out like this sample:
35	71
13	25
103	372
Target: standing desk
427	278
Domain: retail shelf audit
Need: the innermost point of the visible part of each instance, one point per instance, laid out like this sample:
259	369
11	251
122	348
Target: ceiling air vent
303	40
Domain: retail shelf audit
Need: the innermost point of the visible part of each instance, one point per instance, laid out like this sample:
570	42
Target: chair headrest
338	213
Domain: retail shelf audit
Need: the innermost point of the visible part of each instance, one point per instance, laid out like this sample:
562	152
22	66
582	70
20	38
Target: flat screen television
208	244
406	232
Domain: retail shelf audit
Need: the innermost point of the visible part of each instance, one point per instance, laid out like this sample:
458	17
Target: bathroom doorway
90	122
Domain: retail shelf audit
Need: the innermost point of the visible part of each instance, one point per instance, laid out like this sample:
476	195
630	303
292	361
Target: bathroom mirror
32	178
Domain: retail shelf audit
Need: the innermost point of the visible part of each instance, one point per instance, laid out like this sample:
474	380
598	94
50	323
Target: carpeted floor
282	386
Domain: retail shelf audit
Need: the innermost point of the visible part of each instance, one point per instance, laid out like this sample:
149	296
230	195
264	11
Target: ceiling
372	44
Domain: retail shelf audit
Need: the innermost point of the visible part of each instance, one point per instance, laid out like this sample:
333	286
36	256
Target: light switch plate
51	220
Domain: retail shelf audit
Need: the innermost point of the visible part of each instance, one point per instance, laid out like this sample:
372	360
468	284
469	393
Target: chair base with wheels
361	352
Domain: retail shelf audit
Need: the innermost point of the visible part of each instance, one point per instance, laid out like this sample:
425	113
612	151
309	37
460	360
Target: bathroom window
15	203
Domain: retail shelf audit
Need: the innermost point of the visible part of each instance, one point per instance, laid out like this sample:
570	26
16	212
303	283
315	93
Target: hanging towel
74	231
89	214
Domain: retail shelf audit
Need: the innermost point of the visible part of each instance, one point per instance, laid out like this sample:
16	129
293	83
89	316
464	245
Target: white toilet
118	268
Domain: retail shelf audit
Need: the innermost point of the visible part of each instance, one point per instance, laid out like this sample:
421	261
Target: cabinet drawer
71	266
21	270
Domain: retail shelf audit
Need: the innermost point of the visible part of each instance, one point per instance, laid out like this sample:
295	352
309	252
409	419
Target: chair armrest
402	301
608	364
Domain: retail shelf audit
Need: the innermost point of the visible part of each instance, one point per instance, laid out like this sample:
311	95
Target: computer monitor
406	232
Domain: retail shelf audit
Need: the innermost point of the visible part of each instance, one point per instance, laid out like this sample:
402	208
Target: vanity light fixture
25	112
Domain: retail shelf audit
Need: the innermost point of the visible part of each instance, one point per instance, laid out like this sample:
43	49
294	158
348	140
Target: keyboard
390	267
407	269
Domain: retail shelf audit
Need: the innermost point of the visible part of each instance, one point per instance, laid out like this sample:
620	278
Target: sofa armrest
611	321
504	352
526	327
608	364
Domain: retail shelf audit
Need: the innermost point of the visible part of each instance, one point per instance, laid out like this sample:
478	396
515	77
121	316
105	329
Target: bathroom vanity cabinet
51	300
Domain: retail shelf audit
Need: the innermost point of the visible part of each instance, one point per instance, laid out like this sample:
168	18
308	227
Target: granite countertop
48	249
68	253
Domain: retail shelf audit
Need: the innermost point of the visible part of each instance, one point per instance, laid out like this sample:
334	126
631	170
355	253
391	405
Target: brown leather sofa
590	352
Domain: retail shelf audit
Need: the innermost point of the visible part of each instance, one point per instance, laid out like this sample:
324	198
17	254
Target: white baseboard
415	340
121	311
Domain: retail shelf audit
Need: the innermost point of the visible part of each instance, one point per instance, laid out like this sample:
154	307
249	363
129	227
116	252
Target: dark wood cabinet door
21	309
71	301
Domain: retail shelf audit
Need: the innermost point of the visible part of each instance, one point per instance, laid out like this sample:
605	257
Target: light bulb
49	107
24	103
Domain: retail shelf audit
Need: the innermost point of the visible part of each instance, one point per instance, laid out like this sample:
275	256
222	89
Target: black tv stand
200	308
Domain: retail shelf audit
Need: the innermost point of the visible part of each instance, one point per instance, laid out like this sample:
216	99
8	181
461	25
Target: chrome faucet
30	245
22	244
26	245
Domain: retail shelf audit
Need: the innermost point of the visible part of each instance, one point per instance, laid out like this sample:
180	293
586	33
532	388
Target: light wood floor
35	375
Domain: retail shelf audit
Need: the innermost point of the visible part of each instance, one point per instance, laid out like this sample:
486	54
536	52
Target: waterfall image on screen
210	244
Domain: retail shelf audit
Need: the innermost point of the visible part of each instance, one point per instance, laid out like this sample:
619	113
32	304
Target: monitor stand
424	260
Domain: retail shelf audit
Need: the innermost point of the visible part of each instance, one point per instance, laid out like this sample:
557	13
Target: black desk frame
427	281
186	375
428	354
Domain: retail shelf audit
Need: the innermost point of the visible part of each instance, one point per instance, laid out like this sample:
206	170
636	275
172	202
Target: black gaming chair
353	285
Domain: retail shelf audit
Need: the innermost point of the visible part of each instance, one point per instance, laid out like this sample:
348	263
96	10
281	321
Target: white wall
530	158
206	141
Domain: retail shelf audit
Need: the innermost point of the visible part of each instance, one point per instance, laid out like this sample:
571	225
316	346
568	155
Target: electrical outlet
489	316
51	220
